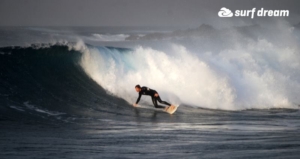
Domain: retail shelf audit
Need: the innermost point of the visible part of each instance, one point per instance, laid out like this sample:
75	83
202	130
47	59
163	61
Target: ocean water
68	92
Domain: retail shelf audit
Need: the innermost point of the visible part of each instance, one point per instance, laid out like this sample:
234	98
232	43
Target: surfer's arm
137	101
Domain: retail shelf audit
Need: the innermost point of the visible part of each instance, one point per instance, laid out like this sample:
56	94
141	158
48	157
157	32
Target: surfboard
170	110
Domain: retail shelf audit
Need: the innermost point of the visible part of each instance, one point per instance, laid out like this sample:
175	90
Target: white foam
259	75
108	37
3	53
17	108
181	74
44	111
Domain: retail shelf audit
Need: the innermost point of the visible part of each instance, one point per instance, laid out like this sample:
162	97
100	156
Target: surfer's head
138	88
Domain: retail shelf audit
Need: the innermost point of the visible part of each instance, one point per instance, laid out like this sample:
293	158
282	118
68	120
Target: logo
224	12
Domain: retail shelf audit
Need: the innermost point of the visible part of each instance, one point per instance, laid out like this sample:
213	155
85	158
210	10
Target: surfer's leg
163	102
154	100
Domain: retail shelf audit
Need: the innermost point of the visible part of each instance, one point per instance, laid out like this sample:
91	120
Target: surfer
154	95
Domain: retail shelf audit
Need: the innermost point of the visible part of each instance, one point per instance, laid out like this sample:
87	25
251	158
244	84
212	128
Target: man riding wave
154	95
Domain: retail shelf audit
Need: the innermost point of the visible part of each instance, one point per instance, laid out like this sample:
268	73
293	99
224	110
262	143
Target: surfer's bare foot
166	108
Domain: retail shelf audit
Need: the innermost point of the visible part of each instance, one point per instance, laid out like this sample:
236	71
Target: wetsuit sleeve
137	101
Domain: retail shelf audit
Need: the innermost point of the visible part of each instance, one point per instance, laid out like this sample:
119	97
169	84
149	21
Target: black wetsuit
151	92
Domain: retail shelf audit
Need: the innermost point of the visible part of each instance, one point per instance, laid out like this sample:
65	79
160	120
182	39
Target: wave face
47	81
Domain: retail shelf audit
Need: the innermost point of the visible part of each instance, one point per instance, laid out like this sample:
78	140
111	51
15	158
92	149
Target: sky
179	13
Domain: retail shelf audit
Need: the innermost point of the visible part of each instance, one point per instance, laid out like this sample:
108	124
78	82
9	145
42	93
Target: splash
260	76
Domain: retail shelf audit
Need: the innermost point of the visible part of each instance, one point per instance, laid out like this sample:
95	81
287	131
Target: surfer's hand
156	95
134	104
